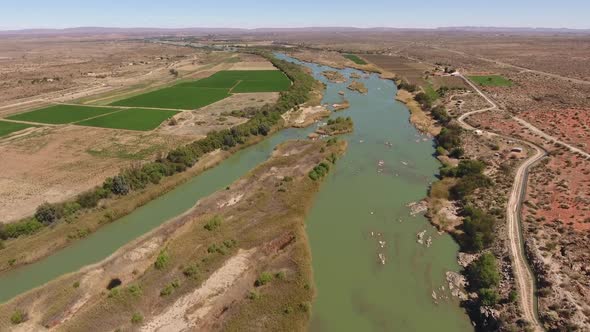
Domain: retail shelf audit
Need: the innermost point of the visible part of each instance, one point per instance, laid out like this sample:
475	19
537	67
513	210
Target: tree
173	72
48	213
484	272
470	167
120	186
488	297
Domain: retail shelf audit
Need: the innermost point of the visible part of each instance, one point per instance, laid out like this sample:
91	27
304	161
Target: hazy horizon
180	14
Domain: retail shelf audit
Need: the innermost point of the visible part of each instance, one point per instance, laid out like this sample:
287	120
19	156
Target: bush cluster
484	278
319	171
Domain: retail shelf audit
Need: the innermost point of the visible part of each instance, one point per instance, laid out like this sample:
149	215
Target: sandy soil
199	122
34	70
53	164
188	311
305	116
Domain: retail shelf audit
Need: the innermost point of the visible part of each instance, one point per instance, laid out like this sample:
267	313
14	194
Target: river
388	165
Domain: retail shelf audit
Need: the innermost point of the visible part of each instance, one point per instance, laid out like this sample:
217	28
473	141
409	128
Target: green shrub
468	184
253	295
48	213
457	152
484	272
190	271
213	223
18	317
263	279
449	137
470	167
136	318
440	151
478	229
162	260
24	227
319	171
488	297
169	288
114	293
76	284
440	114
513	296
135	290
214	248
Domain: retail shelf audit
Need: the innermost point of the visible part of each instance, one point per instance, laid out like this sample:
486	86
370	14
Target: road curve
524	277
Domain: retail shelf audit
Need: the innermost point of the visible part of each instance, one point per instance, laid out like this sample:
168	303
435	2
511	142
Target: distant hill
97	31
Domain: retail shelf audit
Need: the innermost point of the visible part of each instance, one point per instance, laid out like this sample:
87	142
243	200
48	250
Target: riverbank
163	280
43	241
418	117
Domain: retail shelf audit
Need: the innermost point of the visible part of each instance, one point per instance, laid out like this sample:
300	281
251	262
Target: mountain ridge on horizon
146	30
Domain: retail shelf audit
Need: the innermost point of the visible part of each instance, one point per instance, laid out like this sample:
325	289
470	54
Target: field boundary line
31	123
125	107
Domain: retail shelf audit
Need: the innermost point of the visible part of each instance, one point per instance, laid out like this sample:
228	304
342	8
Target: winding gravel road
523	274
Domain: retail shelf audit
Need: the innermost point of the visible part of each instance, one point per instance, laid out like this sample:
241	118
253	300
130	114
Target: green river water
355	291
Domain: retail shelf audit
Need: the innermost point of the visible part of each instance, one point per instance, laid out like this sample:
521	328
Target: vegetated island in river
334	76
337	126
209	267
358	87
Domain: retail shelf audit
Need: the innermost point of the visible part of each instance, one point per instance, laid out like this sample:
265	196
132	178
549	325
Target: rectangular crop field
197	94
176	97
354	58
132	119
491	80
61	114
7	128
244	81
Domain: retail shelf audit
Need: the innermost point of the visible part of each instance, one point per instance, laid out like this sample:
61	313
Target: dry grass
273	232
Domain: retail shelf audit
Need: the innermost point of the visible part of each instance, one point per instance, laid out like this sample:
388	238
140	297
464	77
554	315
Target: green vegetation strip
7	128
491	80
61	114
132	119
354	58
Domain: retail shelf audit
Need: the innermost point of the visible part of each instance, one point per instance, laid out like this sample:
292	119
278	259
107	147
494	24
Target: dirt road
523	274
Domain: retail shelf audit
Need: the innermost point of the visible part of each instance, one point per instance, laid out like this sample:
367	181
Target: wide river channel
370	272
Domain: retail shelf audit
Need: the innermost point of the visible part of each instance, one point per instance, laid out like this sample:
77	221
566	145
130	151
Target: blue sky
17	14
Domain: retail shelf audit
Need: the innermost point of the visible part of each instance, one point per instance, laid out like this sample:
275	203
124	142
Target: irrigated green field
11	127
176	97
197	94
491	80
147	111
61	114
244	81
131	119
355	59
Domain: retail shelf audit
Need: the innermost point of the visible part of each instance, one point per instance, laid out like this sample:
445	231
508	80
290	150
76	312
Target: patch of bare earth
216	116
55	164
556	215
